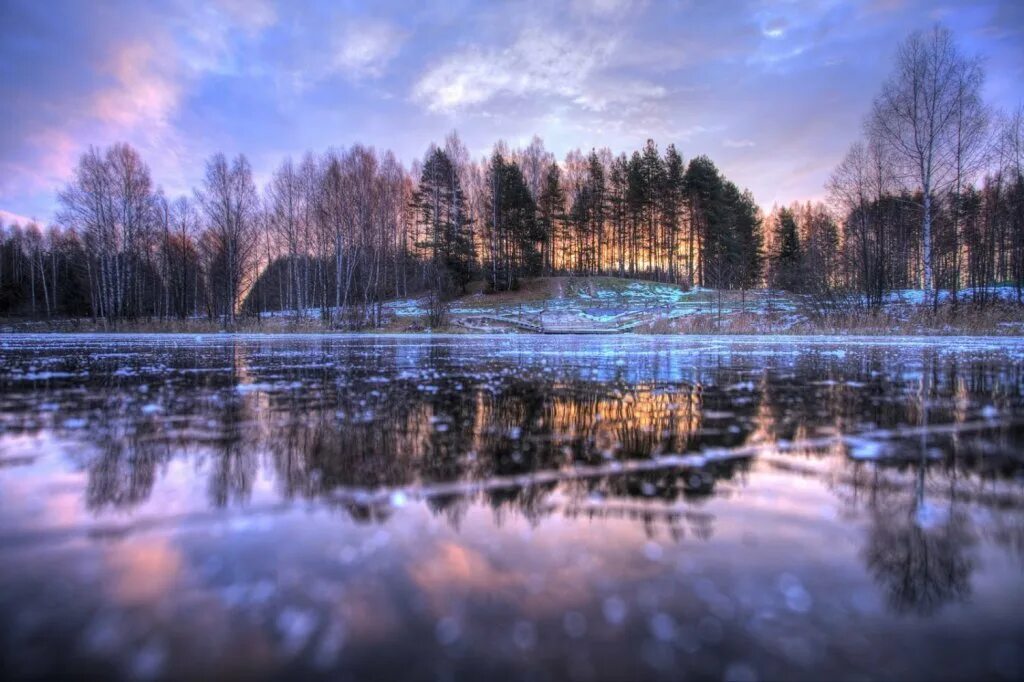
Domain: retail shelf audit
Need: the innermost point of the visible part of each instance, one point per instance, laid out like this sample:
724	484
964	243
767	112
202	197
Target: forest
931	198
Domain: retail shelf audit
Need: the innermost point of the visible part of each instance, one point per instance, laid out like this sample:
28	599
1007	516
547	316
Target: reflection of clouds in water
144	570
456	568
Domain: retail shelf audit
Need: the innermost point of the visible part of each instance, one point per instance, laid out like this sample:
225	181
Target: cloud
144	92
125	79
209	35
179	80
604	8
365	48
612	92
9	218
46	159
775	28
251	15
539	62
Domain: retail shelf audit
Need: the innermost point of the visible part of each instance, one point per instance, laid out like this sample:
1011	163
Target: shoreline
825	335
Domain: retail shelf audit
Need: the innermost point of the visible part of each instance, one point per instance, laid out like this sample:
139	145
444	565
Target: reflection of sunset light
144	570
47	494
456	566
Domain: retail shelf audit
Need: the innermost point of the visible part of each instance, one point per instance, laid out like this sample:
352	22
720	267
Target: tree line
932	198
338	234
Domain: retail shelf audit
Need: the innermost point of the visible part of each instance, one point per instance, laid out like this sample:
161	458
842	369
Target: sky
773	92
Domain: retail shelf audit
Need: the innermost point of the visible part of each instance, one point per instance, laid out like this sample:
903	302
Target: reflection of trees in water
1008	532
652	497
920	542
919	566
917	551
533	425
665	485
125	471
133	448
131	455
313	453
654	518
233	466
880	387
452	508
361	421
467	431
632	423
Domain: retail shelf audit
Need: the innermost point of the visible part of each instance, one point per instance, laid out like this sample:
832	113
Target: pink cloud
144	92
9	218
52	157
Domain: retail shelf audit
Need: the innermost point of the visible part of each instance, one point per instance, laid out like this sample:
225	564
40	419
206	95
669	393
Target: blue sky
774	92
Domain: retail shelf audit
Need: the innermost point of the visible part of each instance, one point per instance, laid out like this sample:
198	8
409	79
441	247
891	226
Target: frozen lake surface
525	507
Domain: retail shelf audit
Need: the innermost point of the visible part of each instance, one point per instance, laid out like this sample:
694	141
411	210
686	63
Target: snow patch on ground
616	302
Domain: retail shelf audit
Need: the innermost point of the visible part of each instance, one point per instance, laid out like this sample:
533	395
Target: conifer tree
513	226
447	237
550	215
671	208
708	237
749	241
787	260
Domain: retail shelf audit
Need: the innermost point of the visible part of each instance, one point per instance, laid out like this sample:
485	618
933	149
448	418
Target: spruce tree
617	208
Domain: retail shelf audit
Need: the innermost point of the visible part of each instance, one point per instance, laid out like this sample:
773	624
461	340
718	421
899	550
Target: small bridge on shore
554	322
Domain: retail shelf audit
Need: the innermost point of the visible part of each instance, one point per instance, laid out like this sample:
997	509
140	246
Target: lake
511	507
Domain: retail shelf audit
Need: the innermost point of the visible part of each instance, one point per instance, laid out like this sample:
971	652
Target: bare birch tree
916	116
231	205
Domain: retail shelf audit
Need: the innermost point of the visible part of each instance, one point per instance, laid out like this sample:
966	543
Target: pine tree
550	215
440	206
595	213
671	207
653	180
749	241
513	225
636	202
708	234
787	259
617	208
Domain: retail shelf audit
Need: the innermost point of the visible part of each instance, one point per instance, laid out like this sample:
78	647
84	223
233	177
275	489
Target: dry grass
711	323
996	320
155	326
268	325
747	316
964	319
529	291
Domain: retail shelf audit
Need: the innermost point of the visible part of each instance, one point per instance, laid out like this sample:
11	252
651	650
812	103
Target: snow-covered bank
617	304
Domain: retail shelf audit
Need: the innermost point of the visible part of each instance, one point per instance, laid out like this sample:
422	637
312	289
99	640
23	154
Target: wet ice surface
511	507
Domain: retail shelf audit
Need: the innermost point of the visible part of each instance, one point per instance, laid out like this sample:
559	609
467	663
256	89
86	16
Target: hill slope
609	301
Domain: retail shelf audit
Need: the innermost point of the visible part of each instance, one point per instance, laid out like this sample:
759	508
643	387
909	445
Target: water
374	507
